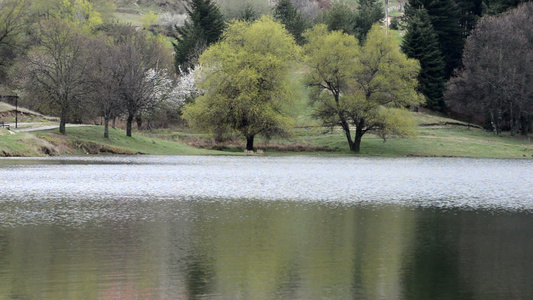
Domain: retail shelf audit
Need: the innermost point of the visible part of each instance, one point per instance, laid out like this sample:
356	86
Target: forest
228	67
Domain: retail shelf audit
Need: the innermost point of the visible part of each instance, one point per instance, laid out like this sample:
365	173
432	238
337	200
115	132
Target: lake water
180	227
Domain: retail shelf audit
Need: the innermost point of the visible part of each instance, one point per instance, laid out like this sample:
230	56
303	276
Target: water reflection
59	241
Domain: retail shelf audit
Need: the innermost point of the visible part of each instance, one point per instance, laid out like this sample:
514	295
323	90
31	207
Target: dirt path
29	127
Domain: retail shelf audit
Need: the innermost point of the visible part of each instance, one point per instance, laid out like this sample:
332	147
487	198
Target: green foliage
358	86
293	20
420	42
246	79
203	28
81	13
340	17
149	19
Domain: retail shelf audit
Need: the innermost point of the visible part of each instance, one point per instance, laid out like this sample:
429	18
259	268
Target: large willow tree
362	88
246	81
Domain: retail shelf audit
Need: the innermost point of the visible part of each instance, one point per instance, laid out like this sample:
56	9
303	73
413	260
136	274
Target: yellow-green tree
367	87
246	81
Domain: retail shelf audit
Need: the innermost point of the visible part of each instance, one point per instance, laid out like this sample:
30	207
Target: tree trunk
139	121
129	123
359	132
106	127
63	122
62	125
524	125
250	143
114	123
348	134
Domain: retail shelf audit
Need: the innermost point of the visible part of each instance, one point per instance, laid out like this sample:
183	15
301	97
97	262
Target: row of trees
65	58
107	74
436	32
246	82
495	83
206	23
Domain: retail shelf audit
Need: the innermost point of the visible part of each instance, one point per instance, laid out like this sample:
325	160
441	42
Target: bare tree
138	54
12	15
498	69
58	68
105	78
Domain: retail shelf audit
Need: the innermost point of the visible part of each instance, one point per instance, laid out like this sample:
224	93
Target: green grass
441	141
21	144
90	140
119	141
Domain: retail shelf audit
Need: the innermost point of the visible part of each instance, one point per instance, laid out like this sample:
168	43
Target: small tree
105	77
366	87
139	55
245	81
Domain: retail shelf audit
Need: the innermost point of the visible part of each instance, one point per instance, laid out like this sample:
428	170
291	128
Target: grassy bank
436	137
89	140
438	140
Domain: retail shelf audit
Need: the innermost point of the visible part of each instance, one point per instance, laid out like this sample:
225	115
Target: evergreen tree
421	43
446	21
368	13
471	11
293	20
204	27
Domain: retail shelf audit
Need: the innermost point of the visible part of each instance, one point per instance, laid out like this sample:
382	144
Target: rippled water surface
182	227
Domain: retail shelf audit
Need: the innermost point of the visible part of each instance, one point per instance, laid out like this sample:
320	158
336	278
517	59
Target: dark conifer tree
421	43
204	27
368	13
293	20
446	20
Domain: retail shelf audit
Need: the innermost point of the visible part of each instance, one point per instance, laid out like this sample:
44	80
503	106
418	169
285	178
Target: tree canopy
366	87
246	81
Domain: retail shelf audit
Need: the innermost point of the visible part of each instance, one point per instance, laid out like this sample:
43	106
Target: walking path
28	127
